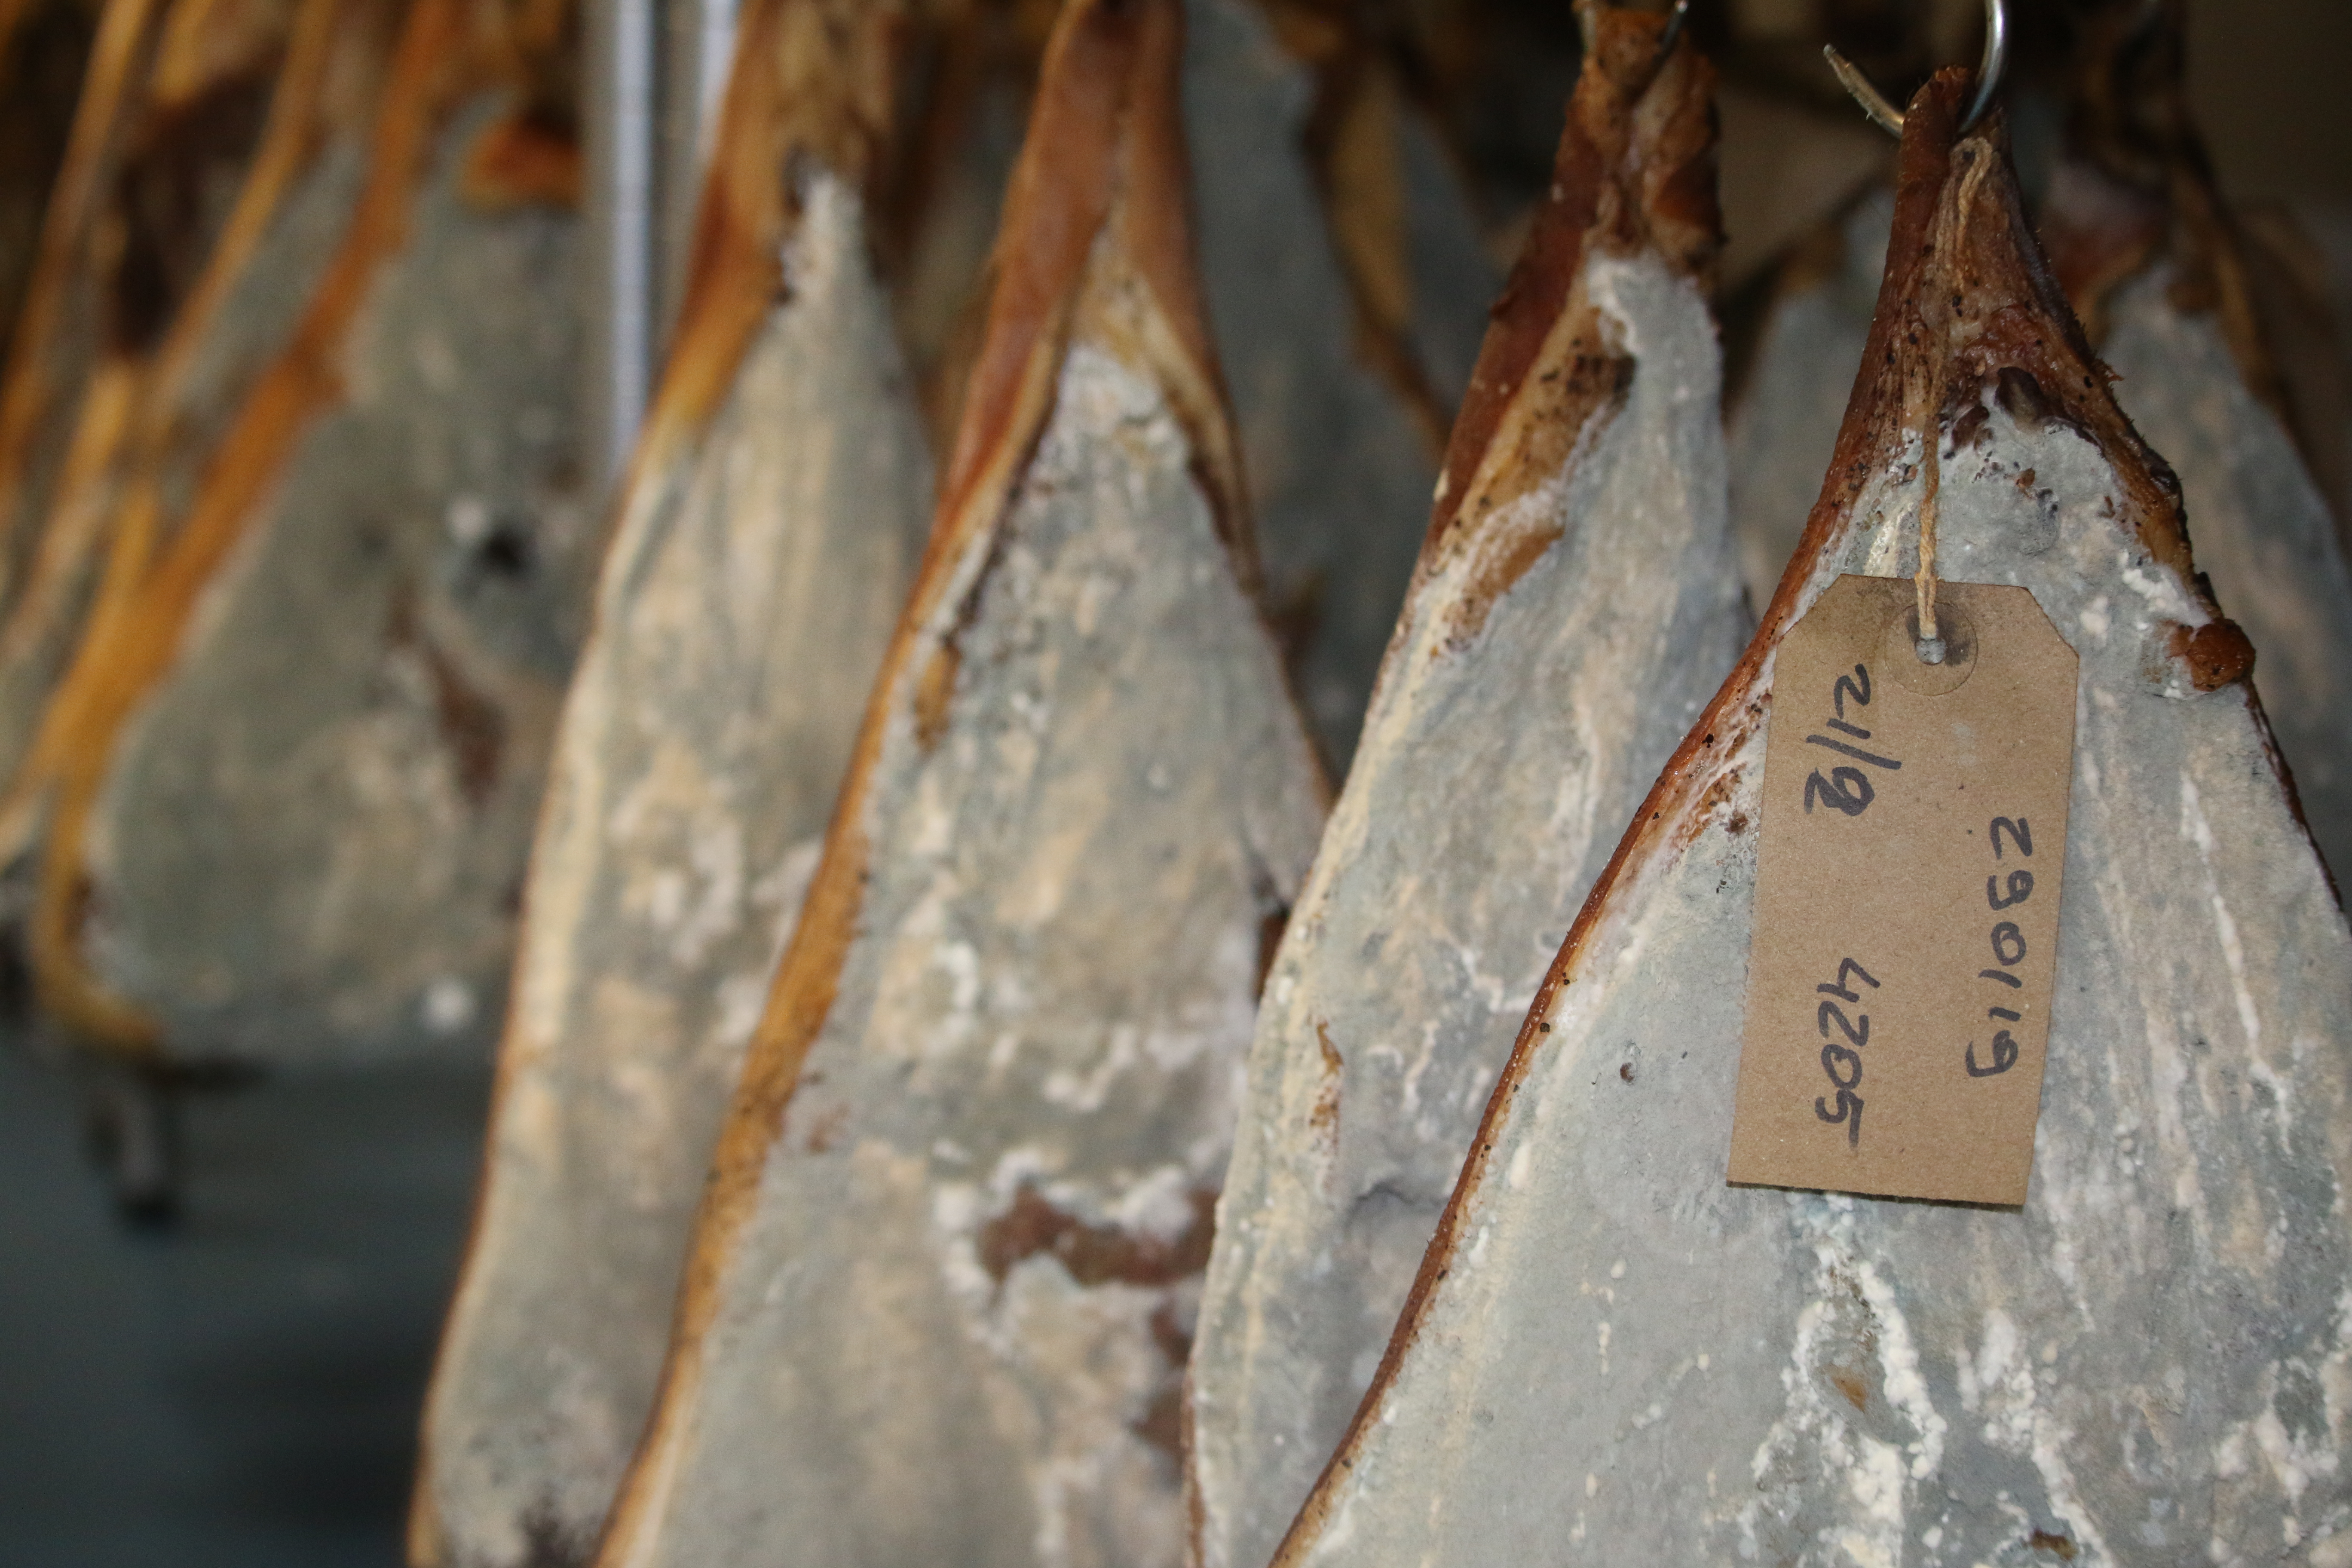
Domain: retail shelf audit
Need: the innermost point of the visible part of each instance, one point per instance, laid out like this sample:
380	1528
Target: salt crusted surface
1627	1360
312	837
953	1328
742	612
1490	786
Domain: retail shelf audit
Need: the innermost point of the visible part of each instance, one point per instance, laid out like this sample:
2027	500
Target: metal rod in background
619	103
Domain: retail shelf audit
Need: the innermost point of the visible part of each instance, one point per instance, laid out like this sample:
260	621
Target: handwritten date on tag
1907	896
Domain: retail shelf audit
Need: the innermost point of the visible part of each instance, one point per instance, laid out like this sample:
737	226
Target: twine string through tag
1923	582
1932	648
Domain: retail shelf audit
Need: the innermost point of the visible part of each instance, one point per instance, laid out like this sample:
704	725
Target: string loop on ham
1931	645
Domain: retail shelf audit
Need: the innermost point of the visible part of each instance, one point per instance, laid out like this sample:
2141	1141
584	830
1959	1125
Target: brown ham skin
1620	182
2000	319
1635	172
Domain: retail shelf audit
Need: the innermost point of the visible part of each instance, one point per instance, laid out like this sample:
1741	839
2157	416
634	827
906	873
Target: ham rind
942	1284
291	773
768	533
1611	1355
1576	605
1344	316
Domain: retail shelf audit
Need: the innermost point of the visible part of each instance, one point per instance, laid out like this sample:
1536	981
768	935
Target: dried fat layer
2146	1362
1575	604
744	605
1785	425
954	1326
1427	925
2263	533
309	837
1339	461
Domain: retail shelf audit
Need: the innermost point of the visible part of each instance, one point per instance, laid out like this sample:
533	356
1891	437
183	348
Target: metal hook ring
1673	29
1989	74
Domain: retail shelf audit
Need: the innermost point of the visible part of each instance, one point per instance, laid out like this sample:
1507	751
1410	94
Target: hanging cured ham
227	188
768	531
1348	293
288	776
1611	1354
2155	262
942	1284
1576	605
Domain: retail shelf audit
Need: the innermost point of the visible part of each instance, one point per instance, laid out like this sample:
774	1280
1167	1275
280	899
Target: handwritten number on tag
1846	789
1843	1063
2008	944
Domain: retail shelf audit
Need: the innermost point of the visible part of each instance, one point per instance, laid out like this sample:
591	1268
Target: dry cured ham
1575	604
767	533
941	1289
1611	1354
287	781
226	187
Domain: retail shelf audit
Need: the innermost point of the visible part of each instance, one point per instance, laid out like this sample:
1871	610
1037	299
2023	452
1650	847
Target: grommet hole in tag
1901	656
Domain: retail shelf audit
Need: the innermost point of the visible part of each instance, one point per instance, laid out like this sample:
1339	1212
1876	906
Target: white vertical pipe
621	72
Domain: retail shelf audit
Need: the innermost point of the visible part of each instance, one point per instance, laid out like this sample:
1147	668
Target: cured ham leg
290	773
1610	1355
942	1284
176	306
768	532
1575	604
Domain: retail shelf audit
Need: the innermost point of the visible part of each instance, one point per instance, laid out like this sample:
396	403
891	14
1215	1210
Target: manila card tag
1907	896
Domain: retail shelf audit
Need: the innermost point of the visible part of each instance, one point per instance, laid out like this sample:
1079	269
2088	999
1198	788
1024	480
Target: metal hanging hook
1989	74
1674	33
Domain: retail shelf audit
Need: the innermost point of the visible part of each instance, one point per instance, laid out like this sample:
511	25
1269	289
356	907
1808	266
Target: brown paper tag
1907	896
